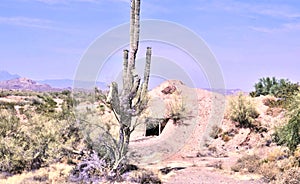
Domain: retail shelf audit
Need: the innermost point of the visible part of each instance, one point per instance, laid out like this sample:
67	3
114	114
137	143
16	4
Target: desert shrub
57	173
282	88
4	93
36	179
7	105
10	139
32	144
289	134
274	112
35	101
142	176
291	176
297	153
22	93
91	169
277	154
216	164
47	104
269	101
10	142
288	163
250	163
95	169
243	111
277	162
176	109
99	132
269	171
67	107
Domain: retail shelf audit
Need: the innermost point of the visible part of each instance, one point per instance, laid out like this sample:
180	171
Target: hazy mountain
25	84
58	83
4	75
68	83
225	91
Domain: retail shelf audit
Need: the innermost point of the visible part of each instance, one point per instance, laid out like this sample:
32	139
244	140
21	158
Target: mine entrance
156	129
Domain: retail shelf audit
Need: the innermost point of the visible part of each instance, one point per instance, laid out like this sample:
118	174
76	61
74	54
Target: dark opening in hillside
156	130
152	131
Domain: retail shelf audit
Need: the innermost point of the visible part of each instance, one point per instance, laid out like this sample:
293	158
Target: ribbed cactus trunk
129	103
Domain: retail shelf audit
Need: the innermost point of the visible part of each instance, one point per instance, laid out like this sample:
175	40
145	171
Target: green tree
282	88
285	89
265	86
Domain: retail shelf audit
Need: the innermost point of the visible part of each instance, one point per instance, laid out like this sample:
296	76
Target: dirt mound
198	111
213	138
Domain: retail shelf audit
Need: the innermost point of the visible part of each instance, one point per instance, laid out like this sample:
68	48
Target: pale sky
45	39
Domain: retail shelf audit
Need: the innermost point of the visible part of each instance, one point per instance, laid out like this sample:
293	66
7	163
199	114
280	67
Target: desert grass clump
248	163
243	111
176	108
269	171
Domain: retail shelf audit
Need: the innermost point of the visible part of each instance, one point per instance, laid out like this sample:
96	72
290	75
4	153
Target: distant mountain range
68	83
225	91
58	83
14	81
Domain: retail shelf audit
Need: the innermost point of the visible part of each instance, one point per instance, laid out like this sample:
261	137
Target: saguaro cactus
133	96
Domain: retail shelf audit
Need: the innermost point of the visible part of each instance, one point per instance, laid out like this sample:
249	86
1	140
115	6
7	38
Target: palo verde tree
132	99
280	88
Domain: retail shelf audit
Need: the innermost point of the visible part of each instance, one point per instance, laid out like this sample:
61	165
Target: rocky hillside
196	135
25	84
